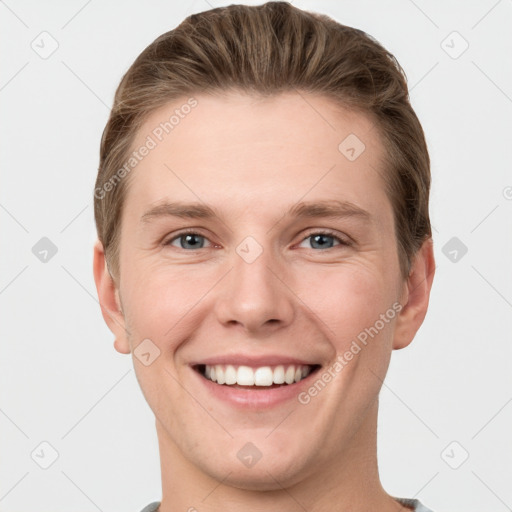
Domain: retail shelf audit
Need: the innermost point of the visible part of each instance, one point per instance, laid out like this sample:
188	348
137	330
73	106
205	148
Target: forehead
240	151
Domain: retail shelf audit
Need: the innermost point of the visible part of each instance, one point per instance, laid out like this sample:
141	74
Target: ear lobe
415	296
108	295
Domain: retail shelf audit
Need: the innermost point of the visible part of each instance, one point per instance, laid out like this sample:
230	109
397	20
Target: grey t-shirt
413	504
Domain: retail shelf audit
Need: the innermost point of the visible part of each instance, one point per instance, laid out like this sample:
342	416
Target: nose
253	297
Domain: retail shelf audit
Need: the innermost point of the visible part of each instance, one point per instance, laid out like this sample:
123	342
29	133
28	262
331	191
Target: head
262	201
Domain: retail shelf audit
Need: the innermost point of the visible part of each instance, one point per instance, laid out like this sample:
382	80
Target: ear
110	302
415	296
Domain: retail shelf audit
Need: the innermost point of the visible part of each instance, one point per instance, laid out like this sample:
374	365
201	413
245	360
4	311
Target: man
264	244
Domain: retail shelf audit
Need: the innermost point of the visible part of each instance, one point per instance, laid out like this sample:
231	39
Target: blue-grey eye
322	241
189	241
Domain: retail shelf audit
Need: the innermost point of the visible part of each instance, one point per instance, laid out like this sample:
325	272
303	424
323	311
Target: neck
350	482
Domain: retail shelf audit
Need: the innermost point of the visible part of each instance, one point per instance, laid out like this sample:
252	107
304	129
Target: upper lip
254	361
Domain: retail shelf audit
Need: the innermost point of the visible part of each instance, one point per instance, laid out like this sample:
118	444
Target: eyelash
342	241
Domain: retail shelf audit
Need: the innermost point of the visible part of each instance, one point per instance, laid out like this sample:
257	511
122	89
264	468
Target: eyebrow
181	210
331	209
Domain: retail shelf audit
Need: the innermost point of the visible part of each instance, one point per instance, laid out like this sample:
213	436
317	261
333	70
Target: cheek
163	302
349	301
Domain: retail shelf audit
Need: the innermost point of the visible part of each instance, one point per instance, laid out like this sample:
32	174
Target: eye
188	240
323	240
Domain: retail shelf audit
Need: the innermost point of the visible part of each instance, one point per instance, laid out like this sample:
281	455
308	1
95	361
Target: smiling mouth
263	377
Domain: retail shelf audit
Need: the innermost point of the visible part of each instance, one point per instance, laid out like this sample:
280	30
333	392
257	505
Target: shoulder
152	507
413	504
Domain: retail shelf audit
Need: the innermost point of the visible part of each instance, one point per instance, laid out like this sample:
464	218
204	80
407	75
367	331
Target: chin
264	475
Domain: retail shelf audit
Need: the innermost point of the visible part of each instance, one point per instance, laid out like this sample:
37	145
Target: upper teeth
262	376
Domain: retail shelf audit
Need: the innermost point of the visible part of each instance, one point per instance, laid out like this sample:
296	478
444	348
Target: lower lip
255	397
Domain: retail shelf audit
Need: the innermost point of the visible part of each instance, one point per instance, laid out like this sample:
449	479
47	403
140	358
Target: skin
251	160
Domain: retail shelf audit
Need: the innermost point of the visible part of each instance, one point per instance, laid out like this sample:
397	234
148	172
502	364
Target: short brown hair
265	50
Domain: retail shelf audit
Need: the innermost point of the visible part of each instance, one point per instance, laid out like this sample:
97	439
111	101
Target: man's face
298	258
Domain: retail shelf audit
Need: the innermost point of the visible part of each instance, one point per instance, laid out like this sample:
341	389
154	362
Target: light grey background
61	381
